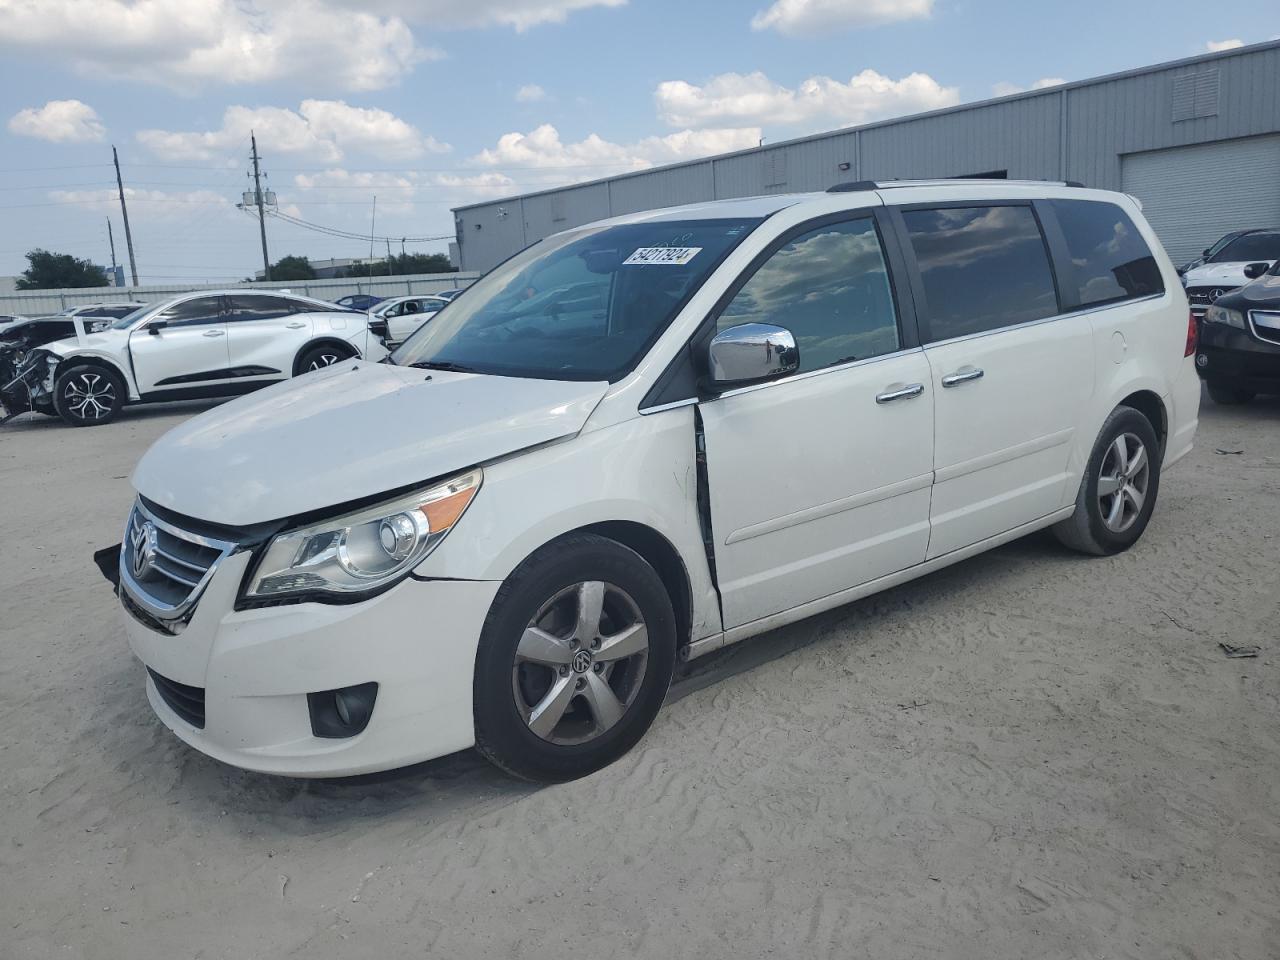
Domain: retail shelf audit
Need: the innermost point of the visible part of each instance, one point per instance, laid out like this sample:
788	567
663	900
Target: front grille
187	702
164	568
1201	298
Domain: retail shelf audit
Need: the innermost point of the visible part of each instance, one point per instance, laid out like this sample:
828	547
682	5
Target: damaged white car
198	345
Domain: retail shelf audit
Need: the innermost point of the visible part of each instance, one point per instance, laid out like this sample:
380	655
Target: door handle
215	333
900	393
294	326
962	376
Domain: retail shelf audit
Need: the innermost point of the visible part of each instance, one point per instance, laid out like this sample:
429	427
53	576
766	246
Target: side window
244	307
982	268
1110	260
190	313
830	288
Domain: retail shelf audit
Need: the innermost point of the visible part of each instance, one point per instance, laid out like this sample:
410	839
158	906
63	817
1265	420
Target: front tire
1228	396
88	396
575	659
1119	487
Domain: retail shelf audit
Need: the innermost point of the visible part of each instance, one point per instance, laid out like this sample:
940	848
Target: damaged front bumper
26	382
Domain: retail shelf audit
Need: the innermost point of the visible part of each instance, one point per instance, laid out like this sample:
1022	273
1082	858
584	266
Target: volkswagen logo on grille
581	661
1215	293
142	541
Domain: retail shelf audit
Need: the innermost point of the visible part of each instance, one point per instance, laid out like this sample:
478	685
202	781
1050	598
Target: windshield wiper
446	365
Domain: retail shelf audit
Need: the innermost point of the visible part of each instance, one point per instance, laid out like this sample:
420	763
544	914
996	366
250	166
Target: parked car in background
1239	352
396	318
205	344
1233	265
358	301
108	311
1211	250
543	501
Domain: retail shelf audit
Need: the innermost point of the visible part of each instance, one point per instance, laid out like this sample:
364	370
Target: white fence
34	303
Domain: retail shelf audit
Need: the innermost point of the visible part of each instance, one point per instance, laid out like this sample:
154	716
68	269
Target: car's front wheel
87	396
1119	487
575	659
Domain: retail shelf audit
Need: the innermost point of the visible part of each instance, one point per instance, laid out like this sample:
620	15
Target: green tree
49	271
293	268
401	265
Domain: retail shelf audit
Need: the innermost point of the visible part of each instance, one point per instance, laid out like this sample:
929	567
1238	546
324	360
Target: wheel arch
97	360
345	346
1149	404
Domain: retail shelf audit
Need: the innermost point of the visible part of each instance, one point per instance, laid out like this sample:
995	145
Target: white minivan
738	414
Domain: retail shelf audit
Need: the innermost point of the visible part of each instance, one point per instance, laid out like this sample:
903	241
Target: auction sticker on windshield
666	256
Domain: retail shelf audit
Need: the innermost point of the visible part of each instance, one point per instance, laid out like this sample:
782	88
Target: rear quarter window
1110	261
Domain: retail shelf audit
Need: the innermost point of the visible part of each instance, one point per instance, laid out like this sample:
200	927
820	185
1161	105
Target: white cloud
1004	88
530	93
543	148
1213	46
455	14
60	121
190	43
753	99
157	202
816	16
322	129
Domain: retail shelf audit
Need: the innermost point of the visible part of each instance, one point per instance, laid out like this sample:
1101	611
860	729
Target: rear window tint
1110	260
983	267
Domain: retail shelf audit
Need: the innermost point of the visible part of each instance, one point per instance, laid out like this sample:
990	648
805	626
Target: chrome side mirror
752	353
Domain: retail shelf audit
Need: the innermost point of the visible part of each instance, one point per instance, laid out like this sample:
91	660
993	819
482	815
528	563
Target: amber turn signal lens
444	513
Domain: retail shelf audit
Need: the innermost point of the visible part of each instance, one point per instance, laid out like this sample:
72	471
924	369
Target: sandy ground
1031	754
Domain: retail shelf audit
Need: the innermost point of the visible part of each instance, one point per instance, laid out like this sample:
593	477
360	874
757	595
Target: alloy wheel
323	360
90	396
580	662
1123	481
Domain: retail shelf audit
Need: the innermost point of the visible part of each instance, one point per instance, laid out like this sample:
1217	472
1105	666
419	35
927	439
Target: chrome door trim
1083	311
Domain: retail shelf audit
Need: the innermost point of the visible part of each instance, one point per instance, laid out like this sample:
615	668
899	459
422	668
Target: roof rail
857	185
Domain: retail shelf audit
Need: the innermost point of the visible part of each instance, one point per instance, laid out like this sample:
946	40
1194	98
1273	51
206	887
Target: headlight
1232	318
366	550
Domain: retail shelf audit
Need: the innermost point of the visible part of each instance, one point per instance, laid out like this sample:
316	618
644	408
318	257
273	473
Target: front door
820	481
183	347
1009	376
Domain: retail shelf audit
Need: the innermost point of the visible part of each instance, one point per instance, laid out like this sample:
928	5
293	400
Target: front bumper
1234	357
255	668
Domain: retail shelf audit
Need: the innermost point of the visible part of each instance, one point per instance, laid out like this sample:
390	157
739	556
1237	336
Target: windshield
1249	248
128	320
585	305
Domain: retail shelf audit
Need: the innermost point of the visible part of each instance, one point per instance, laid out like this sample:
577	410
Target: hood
353	430
1214	274
1261	294
108	340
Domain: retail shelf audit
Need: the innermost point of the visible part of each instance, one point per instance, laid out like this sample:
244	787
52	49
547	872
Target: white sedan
395	319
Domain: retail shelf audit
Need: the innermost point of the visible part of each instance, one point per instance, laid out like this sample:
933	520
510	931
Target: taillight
1193	335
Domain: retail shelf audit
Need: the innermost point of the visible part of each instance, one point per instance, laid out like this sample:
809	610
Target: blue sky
434	103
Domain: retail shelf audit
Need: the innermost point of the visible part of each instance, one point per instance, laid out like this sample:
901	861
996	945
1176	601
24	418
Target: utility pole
373	221
262	217
124	212
391	270
111	239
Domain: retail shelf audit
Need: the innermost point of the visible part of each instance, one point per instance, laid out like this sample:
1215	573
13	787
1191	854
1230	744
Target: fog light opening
341	713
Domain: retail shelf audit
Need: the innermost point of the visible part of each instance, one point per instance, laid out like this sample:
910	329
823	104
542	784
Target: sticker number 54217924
662	256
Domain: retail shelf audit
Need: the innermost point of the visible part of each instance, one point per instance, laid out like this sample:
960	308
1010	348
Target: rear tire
88	396
575	659
1228	396
1119	487
317	358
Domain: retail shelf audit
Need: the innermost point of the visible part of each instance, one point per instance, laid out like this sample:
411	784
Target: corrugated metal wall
1078	131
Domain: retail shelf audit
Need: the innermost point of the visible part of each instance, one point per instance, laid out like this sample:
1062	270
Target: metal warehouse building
1197	140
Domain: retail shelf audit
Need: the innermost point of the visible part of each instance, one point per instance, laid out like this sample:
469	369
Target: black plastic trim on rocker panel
226	373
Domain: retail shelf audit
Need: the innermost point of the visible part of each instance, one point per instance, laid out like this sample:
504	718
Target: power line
348	234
